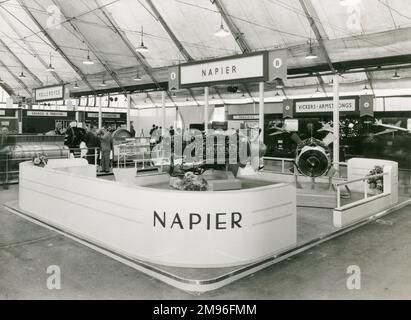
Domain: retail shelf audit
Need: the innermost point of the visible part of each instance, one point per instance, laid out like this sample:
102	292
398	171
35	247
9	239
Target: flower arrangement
39	160
377	182
190	182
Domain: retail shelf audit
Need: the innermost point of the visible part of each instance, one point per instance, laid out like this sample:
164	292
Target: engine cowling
313	158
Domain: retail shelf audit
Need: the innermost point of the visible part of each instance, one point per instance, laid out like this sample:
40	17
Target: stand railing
364	180
7	162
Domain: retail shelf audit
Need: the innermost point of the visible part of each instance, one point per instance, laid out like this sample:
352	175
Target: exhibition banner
367	106
250	66
49	93
323	106
173	78
277	65
288	110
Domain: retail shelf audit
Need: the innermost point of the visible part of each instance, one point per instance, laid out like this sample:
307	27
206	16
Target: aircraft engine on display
313	158
218	153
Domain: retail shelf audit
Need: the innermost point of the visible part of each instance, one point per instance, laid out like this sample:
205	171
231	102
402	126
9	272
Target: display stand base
199	280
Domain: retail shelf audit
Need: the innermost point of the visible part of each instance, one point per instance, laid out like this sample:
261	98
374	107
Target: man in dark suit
92	143
106	145
4	150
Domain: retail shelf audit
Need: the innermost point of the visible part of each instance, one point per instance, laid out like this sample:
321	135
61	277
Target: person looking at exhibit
106	146
92	143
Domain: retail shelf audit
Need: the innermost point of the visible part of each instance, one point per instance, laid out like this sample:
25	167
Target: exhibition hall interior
205	149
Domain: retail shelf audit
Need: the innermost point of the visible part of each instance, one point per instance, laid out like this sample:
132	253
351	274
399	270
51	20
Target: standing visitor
132	131
106	146
92	143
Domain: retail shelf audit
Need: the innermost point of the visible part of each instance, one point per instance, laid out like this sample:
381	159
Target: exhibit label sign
246	117
104	115
323	106
224	70
49	93
47	113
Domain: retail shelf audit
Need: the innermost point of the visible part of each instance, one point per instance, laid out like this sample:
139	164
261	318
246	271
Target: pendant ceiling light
103	83
277	94
1	80
137	77
174	94
88	61
396	76
318	90
76	86
222	32
50	68
311	55
22	75
142	47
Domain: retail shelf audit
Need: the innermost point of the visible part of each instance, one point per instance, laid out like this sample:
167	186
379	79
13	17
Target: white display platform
168	227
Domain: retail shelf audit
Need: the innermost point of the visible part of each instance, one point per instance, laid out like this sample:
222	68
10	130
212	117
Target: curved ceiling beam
104	63
10	52
55	45
22	84
28	45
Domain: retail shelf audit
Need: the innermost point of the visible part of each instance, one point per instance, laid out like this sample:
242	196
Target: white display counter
168	227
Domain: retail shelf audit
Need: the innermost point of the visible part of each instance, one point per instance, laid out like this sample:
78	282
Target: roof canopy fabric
63	33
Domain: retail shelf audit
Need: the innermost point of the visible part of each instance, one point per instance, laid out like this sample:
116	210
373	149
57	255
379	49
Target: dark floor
381	249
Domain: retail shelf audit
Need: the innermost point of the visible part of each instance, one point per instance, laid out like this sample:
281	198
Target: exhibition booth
197	240
204	219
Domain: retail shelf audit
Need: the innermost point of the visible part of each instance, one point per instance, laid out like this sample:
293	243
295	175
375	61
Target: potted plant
376	184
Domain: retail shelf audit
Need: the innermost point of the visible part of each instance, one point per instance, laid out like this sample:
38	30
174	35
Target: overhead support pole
206	93
9	51
336	122
100	114
261	109
128	124
56	47
22	84
28	45
163	112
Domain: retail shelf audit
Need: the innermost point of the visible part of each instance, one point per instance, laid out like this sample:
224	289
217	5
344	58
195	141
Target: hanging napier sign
252	67
324	106
50	93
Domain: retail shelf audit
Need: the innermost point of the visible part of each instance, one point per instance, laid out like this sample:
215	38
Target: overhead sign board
104	115
246	117
46	113
250	66
323	106
51	93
